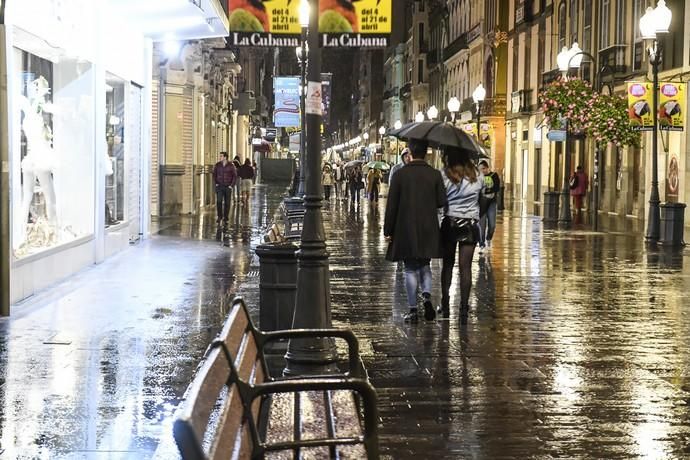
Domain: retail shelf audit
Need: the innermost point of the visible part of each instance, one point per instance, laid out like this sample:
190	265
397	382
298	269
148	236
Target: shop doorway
537	175
525	173
135	186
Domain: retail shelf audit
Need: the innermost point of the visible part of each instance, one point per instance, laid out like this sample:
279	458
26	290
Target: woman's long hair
458	164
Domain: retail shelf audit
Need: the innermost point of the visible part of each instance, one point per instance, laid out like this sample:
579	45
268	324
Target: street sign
286	112
556	135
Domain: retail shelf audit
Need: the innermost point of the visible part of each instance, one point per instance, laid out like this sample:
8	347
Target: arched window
562	25
604	24
490	76
574	14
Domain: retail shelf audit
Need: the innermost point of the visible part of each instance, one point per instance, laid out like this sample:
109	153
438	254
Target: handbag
460	230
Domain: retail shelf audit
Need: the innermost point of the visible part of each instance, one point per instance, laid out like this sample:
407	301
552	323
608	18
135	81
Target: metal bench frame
353	380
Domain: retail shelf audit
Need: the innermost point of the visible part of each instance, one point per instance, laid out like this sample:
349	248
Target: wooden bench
235	409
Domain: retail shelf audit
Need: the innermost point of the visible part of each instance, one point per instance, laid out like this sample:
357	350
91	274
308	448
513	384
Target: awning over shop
163	20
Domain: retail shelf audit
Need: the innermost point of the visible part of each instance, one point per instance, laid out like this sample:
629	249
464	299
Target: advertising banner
487	132
640	106
358	24
671	106
286	112
342	23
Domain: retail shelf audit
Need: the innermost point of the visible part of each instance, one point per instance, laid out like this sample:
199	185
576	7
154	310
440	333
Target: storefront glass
115	164
52	157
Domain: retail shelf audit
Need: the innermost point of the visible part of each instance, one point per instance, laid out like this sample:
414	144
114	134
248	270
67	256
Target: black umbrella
440	134
353	163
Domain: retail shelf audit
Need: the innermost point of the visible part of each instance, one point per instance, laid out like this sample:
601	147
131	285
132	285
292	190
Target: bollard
672	224
277	285
551	207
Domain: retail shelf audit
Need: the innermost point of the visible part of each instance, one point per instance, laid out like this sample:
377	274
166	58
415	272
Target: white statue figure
39	162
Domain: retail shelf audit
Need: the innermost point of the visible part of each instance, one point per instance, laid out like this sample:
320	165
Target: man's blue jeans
487	224
417	274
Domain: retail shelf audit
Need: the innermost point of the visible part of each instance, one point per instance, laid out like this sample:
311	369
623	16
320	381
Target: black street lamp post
655	21
654	216
302	58
313	303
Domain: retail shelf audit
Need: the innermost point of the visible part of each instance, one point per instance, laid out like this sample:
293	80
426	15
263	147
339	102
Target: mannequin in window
39	162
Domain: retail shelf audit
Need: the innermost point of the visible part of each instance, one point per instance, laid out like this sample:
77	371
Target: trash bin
672	224
277	285
551	200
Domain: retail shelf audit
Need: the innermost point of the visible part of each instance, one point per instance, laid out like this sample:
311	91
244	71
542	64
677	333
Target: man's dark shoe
411	317
429	313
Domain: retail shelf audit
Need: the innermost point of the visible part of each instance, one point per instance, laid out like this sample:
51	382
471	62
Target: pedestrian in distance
238	163
373	185
338	177
224	177
578	188
488	205
459	227
327	181
355	184
246	173
411	226
405	158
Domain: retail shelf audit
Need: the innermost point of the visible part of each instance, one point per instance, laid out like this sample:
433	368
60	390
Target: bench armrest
356	367
360	386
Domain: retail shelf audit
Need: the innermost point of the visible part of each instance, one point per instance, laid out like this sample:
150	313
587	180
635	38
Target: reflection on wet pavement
95	367
577	344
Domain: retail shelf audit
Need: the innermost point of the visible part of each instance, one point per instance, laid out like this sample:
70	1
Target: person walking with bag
578	188
487	204
411	226
459	227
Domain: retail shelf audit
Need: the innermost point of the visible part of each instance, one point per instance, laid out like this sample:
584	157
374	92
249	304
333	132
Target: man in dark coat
411	225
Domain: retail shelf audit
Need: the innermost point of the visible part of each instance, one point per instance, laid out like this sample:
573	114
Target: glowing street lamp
432	113
453	107
419	117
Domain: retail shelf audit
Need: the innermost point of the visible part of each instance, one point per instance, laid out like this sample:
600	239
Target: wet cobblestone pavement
576	347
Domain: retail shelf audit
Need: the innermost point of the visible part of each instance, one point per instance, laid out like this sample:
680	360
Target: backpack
573	182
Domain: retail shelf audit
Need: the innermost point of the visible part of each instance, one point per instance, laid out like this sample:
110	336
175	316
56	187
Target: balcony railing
474	33
389	93
520	101
612	60
456	46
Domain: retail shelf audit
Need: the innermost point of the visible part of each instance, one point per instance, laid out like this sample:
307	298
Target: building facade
78	129
609	30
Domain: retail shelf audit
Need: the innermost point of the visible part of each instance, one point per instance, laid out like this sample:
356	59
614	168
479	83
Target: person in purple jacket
224	176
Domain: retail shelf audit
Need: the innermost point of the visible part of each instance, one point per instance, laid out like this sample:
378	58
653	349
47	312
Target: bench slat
229	437
205	389
235	328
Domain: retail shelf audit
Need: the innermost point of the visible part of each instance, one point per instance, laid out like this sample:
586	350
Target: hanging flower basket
567	100
608	121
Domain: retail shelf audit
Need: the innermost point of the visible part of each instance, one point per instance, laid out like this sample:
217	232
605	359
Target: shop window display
52	159
115	164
